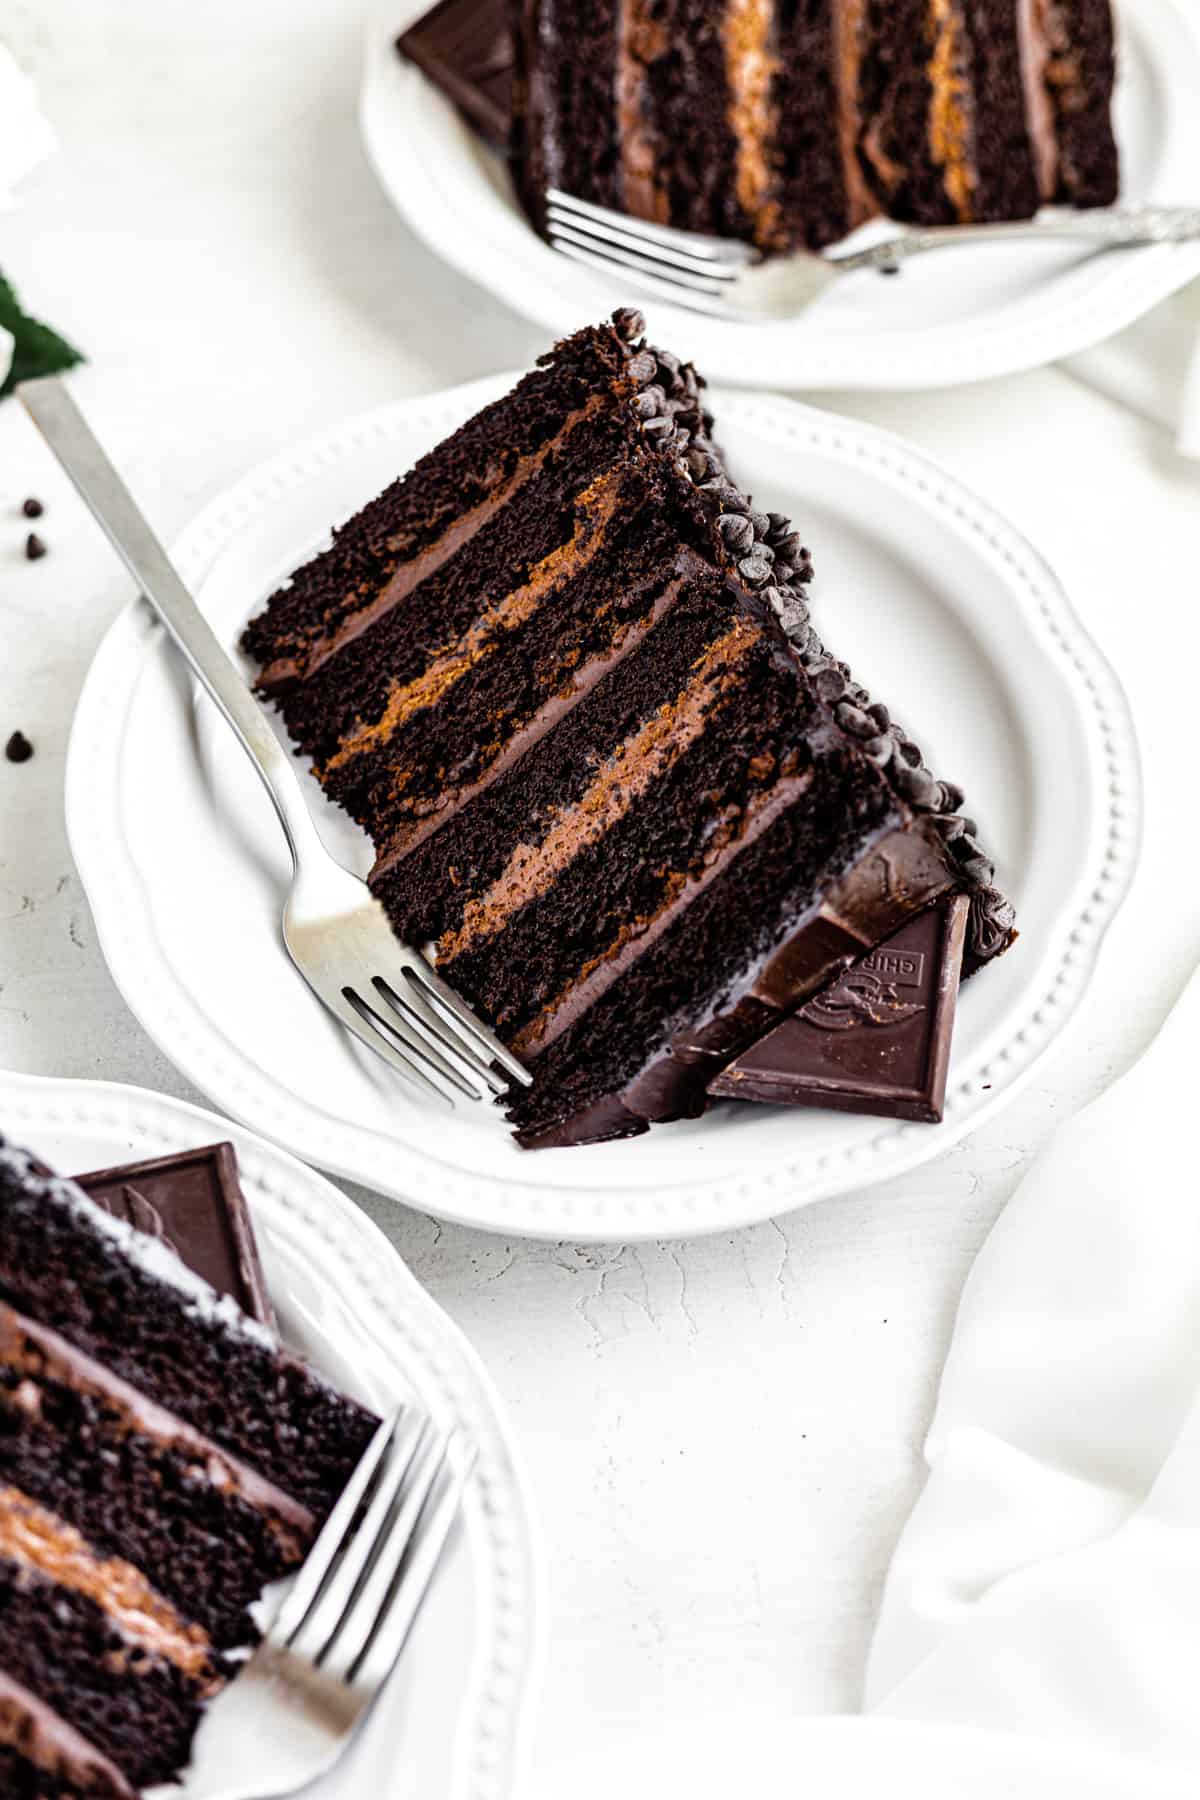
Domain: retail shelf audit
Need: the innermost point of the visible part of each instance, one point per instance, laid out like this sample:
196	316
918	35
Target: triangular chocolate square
877	1040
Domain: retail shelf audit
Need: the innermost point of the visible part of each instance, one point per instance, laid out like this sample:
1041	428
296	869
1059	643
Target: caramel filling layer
40	1355
285	670
447	803
641	40
628	773
750	70
949	106
594	507
44	1544
849	38
598	975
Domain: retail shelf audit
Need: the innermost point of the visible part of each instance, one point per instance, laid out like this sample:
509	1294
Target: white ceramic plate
454	1721
957	316
943	610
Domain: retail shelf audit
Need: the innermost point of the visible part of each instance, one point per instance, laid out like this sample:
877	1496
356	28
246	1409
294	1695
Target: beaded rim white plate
456	1721
959	316
955	620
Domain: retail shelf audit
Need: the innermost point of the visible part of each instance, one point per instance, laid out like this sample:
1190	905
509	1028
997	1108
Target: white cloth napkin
1046	1591
1153	367
1039	1637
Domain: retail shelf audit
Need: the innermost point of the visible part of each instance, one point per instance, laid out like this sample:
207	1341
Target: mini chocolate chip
697	464
979	869
790	546
725	492
949	826
906	750
851	718
831	684
779	523
655	426
736	533
669	361
879	749
761	524
881	715
755	570
34	547
33	508
643	367
18	748
992	920
966	847
629	323
952	797
916	785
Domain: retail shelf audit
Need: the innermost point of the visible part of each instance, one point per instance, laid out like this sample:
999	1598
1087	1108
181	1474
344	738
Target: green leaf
36	349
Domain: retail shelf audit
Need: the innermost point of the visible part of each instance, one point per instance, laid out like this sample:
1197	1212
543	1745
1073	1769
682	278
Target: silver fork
342	1626
732	280
384	992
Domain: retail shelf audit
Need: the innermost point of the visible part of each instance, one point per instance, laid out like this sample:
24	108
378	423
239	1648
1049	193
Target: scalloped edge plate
955	317
457	1725
161	813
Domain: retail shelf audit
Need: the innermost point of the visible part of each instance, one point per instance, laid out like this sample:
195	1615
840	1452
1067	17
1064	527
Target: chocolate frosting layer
45	1739
37	1352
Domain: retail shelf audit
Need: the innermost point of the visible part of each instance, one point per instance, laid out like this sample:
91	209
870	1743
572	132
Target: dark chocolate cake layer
162	1459
785	125
656	806
130	1304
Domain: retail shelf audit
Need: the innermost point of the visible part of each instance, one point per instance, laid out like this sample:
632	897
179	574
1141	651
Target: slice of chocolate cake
162	1458
563	673
786	125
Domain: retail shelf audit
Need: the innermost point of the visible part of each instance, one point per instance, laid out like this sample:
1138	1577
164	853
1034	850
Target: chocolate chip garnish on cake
564	674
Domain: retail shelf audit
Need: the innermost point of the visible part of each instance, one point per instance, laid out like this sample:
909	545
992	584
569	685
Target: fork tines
677	264
353	1603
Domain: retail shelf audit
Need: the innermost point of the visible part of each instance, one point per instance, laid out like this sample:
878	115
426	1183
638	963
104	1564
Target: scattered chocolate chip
34	547
630	323
18	748
33	508
643	367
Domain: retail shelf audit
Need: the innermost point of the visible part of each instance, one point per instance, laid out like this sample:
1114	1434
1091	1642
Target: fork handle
70	437
1103	229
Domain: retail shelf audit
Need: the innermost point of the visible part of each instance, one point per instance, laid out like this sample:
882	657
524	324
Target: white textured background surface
724	1435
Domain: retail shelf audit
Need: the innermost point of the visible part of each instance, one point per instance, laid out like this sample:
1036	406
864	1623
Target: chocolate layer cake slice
162	1458
563	673
785	125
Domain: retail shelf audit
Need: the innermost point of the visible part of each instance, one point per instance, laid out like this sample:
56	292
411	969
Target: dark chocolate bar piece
193	1201
465	48
877	1040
